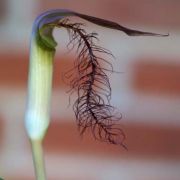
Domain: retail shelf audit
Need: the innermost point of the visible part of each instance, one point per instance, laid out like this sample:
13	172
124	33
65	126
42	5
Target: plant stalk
38	159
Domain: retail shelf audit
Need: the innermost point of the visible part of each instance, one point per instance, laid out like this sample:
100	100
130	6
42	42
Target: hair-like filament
92	108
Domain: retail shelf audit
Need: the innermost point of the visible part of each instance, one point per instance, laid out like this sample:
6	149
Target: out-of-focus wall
147	93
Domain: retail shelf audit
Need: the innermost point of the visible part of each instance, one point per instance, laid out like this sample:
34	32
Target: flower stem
38	159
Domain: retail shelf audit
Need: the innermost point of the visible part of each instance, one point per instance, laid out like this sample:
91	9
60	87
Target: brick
13	69
157	78
142	140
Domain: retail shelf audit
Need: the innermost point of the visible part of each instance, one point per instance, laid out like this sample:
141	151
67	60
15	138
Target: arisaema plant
92	108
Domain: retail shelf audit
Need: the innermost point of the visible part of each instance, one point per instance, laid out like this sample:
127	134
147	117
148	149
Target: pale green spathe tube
39	91
42	52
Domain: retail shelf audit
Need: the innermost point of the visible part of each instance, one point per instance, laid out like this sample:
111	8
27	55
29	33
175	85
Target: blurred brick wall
150	83
143	141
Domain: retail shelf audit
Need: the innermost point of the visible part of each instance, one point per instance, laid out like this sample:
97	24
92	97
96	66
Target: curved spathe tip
45	23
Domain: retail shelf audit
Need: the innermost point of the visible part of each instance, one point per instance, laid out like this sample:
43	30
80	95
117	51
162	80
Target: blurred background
147	93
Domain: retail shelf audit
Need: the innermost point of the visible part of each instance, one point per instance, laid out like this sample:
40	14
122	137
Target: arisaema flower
92	107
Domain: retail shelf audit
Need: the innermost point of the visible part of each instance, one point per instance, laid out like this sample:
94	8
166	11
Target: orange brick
143	141
159	78
65	137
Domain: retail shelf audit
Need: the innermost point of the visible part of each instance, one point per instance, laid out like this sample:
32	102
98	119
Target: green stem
37	151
